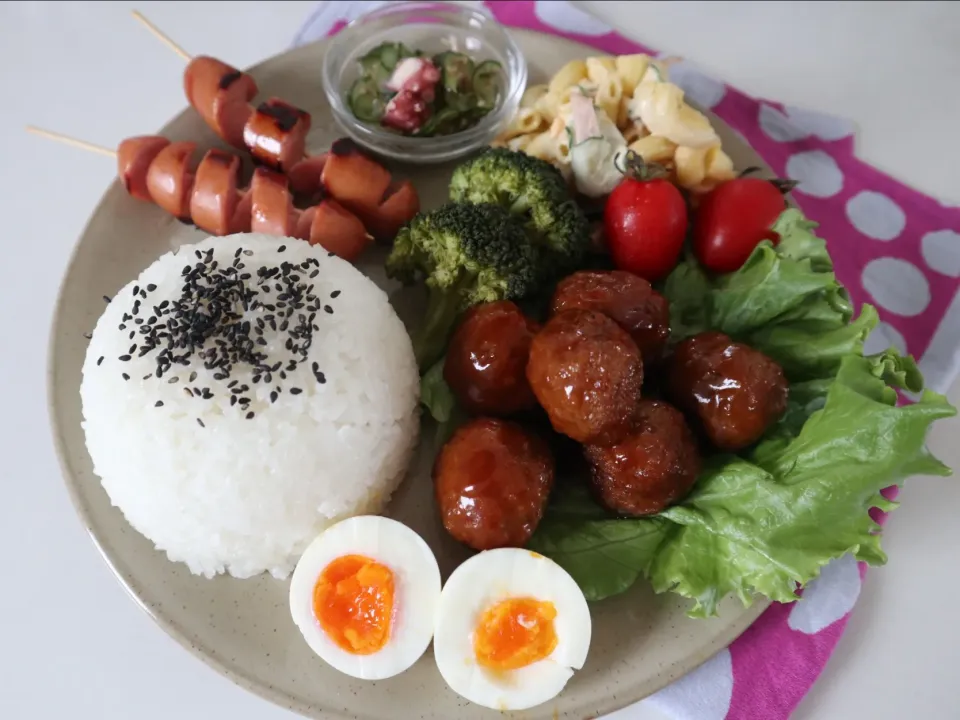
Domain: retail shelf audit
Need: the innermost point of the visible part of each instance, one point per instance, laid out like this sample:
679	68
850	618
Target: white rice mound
243	496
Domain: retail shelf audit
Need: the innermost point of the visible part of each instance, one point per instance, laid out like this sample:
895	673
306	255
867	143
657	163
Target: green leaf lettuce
767	520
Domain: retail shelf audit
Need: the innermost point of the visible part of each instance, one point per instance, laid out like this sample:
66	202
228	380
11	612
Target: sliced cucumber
390	55
365	100
460	102
486	83
442	122
456	71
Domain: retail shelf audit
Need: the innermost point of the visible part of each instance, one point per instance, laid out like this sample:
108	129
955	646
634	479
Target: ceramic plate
243	628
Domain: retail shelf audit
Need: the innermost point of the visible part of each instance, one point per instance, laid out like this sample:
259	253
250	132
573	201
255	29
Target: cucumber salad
419	95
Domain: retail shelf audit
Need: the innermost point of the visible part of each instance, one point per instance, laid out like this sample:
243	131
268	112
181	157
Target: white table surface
74	645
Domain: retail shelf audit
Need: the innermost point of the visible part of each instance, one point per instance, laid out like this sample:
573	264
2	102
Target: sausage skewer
157	170
274	131
275	134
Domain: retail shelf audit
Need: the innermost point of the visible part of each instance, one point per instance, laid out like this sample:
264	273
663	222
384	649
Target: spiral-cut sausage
206	193
170	178
216	205
134	156
222	95
276	134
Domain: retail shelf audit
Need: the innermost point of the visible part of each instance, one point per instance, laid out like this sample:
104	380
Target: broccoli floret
465	254
535	190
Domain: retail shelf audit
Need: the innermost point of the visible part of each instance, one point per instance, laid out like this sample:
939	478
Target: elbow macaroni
633	92
702	169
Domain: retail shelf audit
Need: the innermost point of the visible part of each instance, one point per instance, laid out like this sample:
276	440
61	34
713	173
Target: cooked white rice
239	495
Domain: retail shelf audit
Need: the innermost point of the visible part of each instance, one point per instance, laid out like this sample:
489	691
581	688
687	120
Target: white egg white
491	577
416	593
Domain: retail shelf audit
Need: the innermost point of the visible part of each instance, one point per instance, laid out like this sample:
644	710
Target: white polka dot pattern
876	215
777	126
818	173
704	694
884	336
941	251
825	127
897	286
561	15
828	598
701	89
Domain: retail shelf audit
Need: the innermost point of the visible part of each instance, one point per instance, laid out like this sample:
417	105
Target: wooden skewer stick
67	140
161	36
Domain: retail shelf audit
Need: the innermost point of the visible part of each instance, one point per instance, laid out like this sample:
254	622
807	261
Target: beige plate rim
129	583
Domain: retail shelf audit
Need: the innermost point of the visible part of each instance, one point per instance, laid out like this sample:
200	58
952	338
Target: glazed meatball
492	480
626	298
653	467
586	373
737	392
487	360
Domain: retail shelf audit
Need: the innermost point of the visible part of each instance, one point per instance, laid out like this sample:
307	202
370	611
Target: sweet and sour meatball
653	467
737	392
586	373
626	298
487	360
492	480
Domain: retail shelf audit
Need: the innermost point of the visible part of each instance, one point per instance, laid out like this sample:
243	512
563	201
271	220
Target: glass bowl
433	28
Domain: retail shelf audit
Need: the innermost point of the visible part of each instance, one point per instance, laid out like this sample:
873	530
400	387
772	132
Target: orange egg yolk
515	633
353	602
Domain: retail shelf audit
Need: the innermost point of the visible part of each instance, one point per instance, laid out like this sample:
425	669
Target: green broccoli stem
430	340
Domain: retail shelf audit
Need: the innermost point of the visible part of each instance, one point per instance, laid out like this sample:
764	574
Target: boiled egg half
365	595
511	630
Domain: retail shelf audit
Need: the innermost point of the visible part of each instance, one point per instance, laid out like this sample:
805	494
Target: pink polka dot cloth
892	246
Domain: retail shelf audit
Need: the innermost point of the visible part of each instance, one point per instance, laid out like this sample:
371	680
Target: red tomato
645	223
734	218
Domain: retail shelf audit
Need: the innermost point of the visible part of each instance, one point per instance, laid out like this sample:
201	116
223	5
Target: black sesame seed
188	392
273	397
124	376
133	349
124	358
321	378
173	380
200	422
249	415
100	360
233	400
136	290
106	298
327	309
314	273
158	403
281	248
295	391
335	293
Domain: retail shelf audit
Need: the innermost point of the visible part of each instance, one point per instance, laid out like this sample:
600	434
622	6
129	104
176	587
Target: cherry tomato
645	223
734	218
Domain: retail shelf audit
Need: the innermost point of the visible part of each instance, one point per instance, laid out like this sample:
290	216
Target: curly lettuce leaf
767	520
